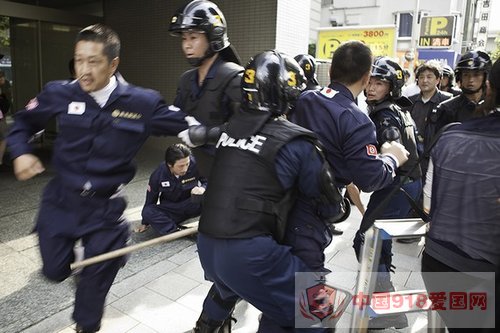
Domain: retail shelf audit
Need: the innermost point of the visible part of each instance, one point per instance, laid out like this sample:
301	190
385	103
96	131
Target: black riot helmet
474	61
308	65
385	69
272	82
204	16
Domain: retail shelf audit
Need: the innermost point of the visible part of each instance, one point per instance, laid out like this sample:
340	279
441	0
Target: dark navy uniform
387	116
92	159
465	212
174	193
212	103
348	136
457	109
242	220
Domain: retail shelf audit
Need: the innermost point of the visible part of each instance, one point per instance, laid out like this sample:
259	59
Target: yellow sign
381	40
436	31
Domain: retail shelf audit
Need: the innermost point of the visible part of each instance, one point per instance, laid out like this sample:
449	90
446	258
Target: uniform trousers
164	218
66	216
258	270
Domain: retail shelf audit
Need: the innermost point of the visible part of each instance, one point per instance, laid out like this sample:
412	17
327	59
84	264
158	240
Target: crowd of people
303	146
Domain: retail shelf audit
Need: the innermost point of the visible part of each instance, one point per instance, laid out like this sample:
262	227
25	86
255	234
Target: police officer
103	122
309	66
264	165
448	81
382	94
348	135
461	192
210	92
178	186
471	71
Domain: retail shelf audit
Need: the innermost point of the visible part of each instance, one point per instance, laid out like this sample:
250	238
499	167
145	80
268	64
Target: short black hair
176	152
101	34
431	66
350	62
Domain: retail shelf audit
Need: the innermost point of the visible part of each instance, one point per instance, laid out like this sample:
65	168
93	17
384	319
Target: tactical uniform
348	136
263	167
461	108
214	102
92	158
174	193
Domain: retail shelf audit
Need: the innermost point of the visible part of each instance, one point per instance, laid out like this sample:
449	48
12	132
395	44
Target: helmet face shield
272	82
387	70
202	16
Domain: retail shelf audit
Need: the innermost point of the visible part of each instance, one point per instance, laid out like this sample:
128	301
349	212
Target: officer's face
472	80
92	67
427	81
180	167
377	89
194	44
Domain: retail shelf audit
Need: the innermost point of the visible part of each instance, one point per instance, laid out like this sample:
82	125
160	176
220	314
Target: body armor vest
207	107
245	197
406	128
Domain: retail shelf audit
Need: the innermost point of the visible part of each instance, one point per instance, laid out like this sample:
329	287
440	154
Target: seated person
178	186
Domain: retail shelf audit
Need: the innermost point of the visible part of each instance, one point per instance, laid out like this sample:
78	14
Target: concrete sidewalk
161	288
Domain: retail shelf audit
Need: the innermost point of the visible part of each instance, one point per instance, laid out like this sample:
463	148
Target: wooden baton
192	228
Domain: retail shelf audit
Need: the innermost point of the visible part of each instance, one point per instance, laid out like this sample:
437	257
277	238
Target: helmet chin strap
470	92
196	62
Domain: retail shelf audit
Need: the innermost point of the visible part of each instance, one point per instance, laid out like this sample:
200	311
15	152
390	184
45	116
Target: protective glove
184	135
396	150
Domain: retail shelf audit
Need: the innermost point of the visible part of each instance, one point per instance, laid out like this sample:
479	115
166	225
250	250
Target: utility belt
102	194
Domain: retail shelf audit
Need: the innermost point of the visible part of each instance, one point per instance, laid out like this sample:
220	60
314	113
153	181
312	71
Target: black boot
207	325
79	329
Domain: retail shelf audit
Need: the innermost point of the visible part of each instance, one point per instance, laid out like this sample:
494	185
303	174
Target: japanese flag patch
165	184
329	92
32	104
371	150
77	108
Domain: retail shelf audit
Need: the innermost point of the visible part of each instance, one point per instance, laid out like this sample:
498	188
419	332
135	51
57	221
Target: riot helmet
448	72
272	82
204	16
308	65
474	61
385	69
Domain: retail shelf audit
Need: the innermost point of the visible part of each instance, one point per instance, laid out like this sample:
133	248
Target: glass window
405	24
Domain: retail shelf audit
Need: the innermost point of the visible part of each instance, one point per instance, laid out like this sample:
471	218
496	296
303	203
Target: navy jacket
170	189
95	146
348	136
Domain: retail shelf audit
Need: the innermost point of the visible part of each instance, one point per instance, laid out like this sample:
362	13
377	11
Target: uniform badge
76	108
371	150
329	92
32	104
165	184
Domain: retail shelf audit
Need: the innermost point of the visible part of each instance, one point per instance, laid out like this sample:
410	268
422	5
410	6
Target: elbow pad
327	184
201	135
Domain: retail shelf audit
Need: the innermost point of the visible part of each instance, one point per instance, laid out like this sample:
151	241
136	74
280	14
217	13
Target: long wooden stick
192	229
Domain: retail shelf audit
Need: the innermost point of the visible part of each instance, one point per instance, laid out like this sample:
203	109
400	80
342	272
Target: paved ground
161	289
